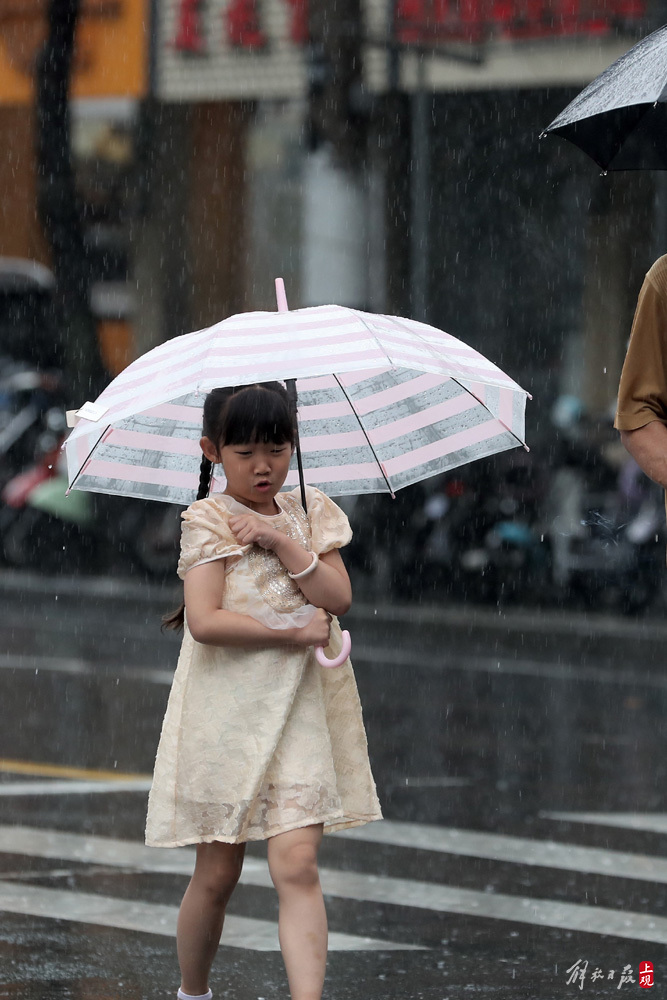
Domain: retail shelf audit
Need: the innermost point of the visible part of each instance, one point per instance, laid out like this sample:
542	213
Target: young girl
259	742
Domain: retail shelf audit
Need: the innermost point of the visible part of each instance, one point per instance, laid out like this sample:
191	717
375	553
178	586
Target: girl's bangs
257	417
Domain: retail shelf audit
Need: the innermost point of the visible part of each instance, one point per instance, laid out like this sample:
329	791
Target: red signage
646	975
425	22
240	25
250	49
433	21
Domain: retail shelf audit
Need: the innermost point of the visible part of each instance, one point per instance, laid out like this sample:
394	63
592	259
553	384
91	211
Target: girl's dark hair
264	412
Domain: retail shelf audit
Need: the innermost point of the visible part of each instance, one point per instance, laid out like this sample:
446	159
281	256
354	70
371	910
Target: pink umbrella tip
281	297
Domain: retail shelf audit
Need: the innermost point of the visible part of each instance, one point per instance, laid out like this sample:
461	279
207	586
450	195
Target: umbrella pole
300	467
290	384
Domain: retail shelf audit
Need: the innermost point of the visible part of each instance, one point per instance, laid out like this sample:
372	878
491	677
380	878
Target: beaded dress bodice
271	578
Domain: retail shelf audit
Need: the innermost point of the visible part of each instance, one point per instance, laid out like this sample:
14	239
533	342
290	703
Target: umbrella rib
454	379
495	417
434	353
621	141
431	350
87	458
397	322
465	388
365	433
373	335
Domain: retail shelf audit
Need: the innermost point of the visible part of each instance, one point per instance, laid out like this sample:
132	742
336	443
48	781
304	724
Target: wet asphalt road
520	761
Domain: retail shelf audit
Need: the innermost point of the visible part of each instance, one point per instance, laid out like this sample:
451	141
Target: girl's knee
294	864
218	869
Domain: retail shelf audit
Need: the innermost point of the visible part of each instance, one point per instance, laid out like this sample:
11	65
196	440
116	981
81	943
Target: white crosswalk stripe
158	918
241	932
649	822
523	850
384	890
18	789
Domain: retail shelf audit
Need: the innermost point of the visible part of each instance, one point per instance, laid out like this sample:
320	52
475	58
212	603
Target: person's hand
316	632
249	530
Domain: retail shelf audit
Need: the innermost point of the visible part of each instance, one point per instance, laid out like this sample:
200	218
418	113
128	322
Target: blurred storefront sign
111	54
231	49
236	49
477	21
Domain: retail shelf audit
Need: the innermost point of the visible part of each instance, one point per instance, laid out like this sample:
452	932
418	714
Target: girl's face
255	472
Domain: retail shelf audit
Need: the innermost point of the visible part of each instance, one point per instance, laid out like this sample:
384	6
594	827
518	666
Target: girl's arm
212	625
328	586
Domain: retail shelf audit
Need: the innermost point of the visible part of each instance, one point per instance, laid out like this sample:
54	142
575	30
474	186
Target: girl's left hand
250	530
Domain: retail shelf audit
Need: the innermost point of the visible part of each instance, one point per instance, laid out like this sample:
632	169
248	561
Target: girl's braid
205	475
175	619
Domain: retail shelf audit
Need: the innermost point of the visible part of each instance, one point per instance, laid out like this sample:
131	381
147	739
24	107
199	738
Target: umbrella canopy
620	119
383	402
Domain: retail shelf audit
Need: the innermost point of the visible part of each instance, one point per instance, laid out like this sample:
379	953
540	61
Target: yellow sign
110	52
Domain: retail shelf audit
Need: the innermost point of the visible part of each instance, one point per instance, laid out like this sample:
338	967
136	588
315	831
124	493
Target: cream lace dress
259	741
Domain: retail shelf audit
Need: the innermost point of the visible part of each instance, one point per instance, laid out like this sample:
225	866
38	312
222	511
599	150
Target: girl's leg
202	912
302	922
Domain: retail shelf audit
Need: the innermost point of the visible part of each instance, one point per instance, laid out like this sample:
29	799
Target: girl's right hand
316	632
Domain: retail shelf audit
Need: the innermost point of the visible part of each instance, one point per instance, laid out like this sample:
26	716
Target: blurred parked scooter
45	529
28	334
606	519
508	559
30	402
38	529
428	529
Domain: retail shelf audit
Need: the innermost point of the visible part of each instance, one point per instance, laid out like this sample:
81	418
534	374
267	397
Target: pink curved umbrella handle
324	660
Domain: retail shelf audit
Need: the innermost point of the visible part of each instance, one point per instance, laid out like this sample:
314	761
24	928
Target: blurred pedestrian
641	416
258	742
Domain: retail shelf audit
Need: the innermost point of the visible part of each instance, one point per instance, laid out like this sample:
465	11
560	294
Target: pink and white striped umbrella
383	402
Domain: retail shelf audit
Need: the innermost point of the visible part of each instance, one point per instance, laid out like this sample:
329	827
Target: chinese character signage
580	974
227	49
111	48
646	975
476	21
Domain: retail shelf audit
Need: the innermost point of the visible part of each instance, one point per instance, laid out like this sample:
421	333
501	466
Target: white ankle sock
189	996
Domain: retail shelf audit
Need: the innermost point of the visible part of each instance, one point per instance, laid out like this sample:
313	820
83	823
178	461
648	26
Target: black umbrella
620	119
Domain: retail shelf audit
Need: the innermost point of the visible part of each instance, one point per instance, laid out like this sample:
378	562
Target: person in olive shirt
641	416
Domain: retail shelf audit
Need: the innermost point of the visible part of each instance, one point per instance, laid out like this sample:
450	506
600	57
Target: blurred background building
387	156
383	154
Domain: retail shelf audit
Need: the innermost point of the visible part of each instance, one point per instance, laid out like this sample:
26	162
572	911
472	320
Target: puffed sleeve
206	536
329	526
